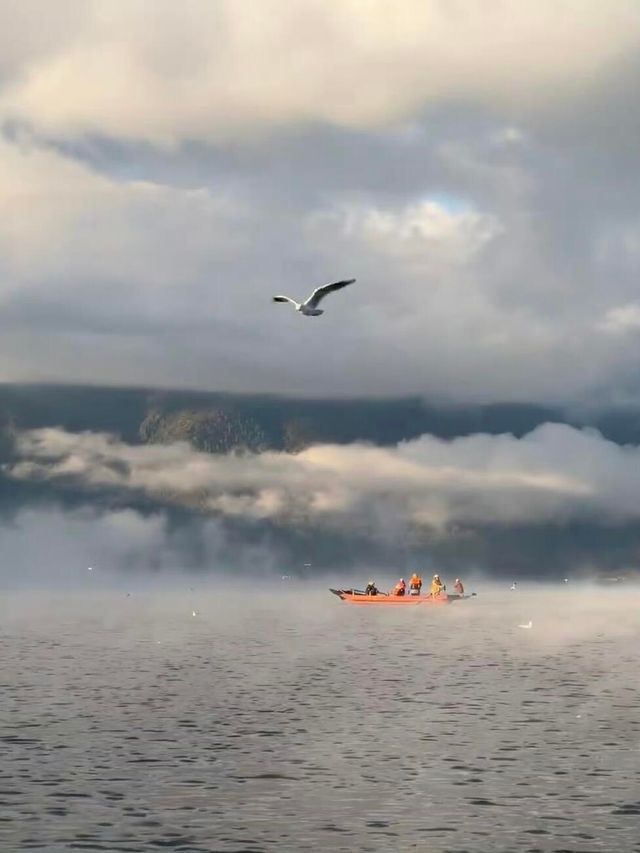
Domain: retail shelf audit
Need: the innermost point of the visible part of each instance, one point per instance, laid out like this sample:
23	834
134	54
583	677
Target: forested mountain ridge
217	422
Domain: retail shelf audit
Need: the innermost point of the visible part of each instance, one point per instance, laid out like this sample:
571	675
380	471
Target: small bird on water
528	625
310	306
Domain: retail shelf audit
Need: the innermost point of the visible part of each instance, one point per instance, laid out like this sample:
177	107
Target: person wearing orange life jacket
415	584
399	588
436	586
458	587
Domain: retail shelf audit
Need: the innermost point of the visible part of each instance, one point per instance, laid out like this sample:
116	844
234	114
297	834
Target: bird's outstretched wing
320	292
284	299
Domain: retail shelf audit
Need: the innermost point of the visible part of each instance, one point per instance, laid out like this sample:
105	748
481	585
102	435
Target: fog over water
280	718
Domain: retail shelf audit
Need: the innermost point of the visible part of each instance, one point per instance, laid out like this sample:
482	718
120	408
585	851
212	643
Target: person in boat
458	587
399	588
371	588
436	586
415	584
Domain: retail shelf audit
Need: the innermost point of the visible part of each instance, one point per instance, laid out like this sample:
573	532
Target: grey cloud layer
473	297
554	475
471	165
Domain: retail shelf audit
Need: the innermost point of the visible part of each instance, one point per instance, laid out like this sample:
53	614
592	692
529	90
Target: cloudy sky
166	167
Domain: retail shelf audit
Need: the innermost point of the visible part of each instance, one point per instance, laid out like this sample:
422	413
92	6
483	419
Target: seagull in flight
310	306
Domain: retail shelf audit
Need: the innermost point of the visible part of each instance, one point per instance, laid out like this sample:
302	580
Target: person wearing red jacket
399	588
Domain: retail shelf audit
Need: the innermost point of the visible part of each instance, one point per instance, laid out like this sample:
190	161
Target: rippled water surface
297	722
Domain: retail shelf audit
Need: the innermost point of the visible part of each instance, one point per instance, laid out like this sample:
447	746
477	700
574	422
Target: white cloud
424	231
81	249
198	70
509	135
554	475
622	319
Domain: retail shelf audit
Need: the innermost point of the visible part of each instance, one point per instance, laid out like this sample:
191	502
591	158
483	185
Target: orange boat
355	596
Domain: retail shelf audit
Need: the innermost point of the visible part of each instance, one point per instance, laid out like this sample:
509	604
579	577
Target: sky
166	168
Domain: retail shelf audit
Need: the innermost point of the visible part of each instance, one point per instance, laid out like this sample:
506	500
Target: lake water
296	722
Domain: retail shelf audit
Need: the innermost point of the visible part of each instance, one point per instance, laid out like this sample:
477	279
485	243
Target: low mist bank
176	609
555	474
556	501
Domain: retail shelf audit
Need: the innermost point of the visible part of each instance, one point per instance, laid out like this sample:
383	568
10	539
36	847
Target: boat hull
352	597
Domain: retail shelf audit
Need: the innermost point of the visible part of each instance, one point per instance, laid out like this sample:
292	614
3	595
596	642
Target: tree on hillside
212	430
